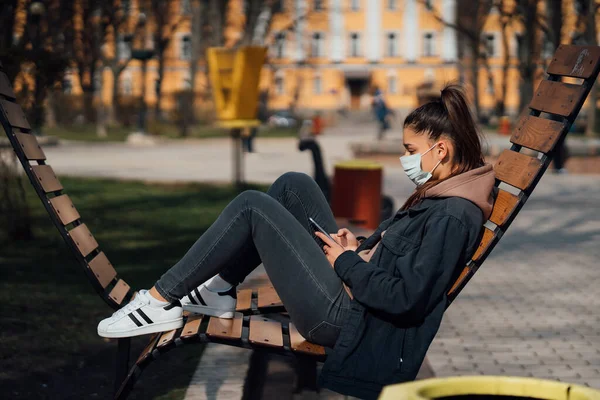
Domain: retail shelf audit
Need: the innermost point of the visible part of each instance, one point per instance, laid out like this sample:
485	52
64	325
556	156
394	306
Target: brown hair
449	116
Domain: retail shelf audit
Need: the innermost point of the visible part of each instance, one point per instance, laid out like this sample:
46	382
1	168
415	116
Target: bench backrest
517	173
60	208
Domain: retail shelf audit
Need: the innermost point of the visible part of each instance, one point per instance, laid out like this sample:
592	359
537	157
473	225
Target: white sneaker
202	300
143	315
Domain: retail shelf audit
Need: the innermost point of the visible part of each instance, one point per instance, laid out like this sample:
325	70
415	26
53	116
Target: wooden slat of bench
83	239
484	244
30	146
118	293
557	98
166	338
461	277
265	332
268	297
301	345
537	133
504	206
192	326
517	169
64	208
5	87
47	178
244	300
147	352
226	328
575	61
103	269
15	115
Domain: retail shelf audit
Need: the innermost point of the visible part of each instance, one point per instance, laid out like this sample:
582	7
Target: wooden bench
517	175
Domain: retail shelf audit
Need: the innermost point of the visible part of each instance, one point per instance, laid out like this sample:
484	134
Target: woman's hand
333	249
347	239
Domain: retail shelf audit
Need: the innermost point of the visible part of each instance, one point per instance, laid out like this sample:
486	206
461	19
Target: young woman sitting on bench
375	305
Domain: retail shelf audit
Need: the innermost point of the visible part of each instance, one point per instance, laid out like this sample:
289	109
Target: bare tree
528	47
470	20
586	34
166	22
120	31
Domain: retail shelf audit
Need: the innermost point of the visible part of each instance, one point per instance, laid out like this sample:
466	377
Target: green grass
49	346
119	134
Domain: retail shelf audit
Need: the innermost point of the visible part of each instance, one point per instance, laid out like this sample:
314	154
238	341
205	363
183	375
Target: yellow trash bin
488	387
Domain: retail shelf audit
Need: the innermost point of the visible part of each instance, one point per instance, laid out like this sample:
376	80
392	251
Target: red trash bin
356	192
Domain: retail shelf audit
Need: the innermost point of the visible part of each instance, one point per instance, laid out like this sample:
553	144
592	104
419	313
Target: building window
186	48
124	46
126	86
428	4
318	85
318	5
279	85
428	44
490	45
280	45
392	5
279	6
185	6
354	45
392	44
354	5
392	85
316	47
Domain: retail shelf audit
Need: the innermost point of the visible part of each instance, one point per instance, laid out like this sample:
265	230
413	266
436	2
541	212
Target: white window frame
317	38
183	47
126	84
317	84
433	52
279	44
495	48
279	85
392	88
387	41
351	45
355	5
124	46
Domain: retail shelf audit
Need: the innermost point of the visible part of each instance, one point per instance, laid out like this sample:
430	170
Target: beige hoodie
475	185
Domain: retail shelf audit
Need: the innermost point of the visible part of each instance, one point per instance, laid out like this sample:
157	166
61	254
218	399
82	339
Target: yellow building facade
330	55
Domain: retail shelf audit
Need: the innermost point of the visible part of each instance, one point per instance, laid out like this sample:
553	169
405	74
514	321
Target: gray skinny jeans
272	228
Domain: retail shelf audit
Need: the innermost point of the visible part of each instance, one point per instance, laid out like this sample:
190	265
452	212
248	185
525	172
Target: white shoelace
139	301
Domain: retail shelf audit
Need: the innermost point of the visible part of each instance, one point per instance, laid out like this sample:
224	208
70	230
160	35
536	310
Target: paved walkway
533	309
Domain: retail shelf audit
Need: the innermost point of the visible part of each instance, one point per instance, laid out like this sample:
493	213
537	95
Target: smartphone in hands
323	231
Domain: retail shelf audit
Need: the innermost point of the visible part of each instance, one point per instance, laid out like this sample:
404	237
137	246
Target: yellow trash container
488	387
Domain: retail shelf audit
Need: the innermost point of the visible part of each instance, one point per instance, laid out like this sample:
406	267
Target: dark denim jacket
400	295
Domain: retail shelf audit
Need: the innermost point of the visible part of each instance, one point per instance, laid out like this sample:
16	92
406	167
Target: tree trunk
50	118
592	40
501	100
475	76
112	108
158	87
100	108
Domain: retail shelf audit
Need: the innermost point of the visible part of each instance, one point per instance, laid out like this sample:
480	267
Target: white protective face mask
412	166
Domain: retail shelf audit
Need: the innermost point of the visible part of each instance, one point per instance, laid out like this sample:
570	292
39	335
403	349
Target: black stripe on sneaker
172	305
200	299
143	315
134	319
192	300
231	292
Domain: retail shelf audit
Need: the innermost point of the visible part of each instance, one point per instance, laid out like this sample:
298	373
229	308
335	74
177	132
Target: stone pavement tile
220	374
